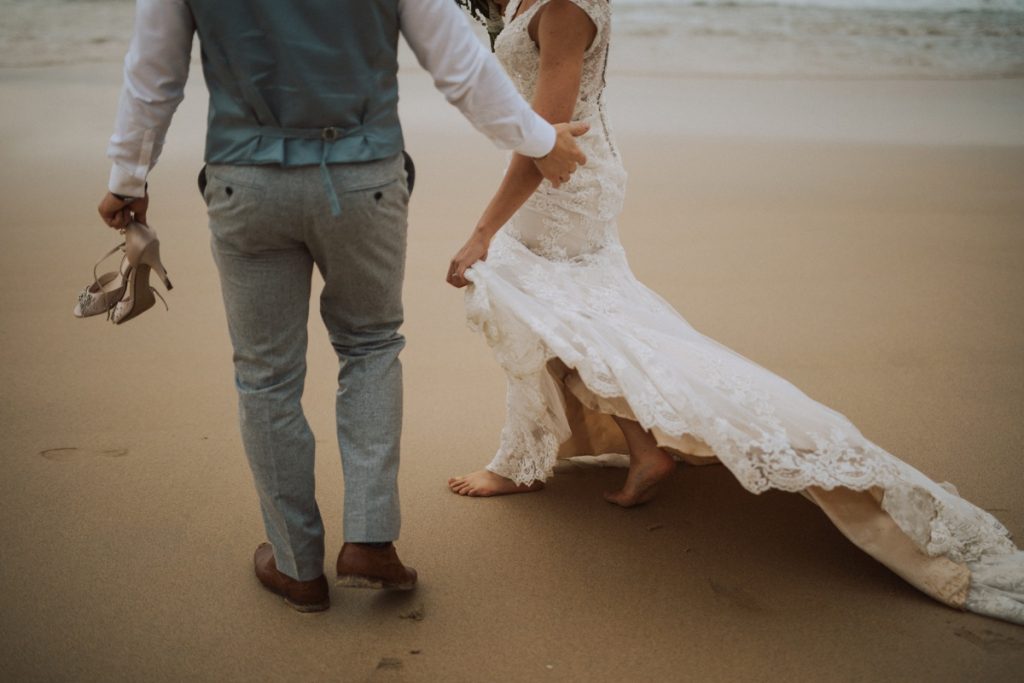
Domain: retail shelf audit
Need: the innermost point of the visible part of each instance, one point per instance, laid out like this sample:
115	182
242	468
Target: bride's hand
475	249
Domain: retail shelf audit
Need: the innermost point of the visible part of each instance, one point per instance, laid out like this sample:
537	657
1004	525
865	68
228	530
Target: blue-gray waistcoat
300	82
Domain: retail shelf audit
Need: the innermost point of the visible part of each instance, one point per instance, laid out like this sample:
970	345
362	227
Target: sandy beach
863	238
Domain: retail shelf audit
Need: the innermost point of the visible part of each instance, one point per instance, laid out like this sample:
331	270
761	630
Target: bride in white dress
598	363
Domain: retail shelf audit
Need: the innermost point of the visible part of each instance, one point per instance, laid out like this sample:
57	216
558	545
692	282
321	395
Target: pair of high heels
126	293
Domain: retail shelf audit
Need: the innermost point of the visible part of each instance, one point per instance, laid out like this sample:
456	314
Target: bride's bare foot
486	483
648	467
642	482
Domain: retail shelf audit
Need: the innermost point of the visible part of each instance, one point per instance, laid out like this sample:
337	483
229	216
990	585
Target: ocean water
821	38
685	38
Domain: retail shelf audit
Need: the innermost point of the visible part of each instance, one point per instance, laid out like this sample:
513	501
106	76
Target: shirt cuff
540	140
124	183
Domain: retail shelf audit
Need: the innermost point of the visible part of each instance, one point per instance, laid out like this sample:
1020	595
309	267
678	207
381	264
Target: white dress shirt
156	68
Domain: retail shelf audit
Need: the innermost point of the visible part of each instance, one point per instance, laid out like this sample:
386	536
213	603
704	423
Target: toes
618	498
454	483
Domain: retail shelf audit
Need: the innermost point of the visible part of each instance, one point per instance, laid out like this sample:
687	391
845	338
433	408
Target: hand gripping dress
580	339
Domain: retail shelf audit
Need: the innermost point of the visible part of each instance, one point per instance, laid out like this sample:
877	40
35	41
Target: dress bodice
521	57
578	218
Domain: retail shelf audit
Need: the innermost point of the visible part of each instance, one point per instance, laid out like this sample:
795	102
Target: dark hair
487	13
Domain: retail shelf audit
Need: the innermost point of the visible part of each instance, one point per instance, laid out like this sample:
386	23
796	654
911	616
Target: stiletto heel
142	249
158	268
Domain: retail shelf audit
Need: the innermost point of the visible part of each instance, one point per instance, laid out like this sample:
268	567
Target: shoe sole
307	609
143	302
354	581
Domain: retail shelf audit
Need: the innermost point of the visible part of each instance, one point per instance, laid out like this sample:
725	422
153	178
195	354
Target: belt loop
327	138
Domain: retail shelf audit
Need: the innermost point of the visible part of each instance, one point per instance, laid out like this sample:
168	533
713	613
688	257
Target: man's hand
118	213
562	160
474	250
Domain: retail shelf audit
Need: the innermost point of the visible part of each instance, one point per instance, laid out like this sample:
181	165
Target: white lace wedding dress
581	339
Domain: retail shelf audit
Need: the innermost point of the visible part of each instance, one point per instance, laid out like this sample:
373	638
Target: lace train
630	353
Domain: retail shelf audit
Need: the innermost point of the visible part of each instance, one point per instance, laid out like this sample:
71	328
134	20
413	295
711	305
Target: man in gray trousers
305	166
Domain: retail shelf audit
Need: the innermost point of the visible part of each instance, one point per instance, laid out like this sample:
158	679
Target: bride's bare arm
562	32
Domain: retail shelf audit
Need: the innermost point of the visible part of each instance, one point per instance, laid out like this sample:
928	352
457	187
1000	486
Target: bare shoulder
565	20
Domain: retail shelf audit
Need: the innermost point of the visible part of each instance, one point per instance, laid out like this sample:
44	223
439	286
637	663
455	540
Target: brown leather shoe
362	566
304	596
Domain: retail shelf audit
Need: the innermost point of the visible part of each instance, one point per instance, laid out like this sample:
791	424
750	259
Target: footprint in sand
65	453
991	642
415	614
738	597
388	669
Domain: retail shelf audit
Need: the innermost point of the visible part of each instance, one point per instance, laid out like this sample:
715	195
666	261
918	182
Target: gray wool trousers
269	227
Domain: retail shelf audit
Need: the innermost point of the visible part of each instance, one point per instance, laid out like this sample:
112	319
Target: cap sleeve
599	12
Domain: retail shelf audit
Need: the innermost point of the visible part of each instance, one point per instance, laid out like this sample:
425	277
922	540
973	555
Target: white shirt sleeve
155	71
471	78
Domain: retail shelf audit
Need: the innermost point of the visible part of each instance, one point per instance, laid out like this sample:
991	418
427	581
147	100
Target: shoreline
985	112
624	73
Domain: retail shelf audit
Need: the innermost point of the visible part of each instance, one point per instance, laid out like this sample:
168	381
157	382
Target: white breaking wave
838	38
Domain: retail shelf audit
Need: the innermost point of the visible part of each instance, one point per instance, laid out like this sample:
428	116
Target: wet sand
869	248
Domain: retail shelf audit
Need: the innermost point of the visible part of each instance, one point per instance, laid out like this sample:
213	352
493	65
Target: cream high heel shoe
142	250
105	290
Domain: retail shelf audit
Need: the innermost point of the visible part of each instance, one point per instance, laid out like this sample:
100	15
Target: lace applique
942	523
